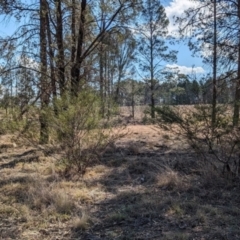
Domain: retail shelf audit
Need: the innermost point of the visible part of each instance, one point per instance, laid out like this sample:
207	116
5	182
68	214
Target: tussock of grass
83	196
42	196
170	179
81	223
63	203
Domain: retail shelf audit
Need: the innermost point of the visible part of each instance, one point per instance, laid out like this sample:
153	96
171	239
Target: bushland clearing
147	185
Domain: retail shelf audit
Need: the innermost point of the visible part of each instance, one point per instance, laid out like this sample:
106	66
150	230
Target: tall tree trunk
132	98
101	76
214	82
51	57
51	60
152	85
60	57
108	83
120	73
75	71
237	90
44	134
73	33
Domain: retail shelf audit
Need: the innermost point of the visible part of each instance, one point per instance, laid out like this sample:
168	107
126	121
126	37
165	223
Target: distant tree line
184	91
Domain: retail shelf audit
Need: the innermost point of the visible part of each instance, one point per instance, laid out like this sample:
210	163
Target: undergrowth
218	146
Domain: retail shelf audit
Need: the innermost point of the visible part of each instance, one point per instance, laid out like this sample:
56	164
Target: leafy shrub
79	129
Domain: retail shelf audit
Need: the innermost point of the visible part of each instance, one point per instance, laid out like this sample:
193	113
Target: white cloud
176	8
185	69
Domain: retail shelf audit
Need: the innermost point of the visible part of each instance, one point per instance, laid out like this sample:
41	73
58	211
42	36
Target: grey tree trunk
60	56
214	83
75	71
44	133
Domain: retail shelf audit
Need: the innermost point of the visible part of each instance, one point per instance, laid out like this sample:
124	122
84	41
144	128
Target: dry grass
81	223
170	179
143	189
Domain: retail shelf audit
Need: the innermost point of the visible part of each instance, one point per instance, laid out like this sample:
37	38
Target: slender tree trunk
101	76
105	80
214	83
73	33
44	134
132	100
152	82
117	90
51	57
120	73
237	94
237	90
60	56
75	72
108	83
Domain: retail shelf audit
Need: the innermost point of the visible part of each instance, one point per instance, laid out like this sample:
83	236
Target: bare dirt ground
148	185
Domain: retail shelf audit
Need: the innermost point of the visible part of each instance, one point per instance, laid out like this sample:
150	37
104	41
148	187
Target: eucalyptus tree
152	49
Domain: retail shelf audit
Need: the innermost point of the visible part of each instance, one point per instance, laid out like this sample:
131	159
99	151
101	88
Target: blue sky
185	61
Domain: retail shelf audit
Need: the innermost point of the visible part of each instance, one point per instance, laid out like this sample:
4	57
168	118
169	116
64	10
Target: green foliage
78	128
10	122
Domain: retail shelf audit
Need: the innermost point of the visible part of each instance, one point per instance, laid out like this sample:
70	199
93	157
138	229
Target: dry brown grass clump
42	196
81	222
170	179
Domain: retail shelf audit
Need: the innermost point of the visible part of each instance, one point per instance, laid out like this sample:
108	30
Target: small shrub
217	145
80	130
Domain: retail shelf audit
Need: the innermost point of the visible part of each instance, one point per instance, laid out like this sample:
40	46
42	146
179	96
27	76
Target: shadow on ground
149	191
162	195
